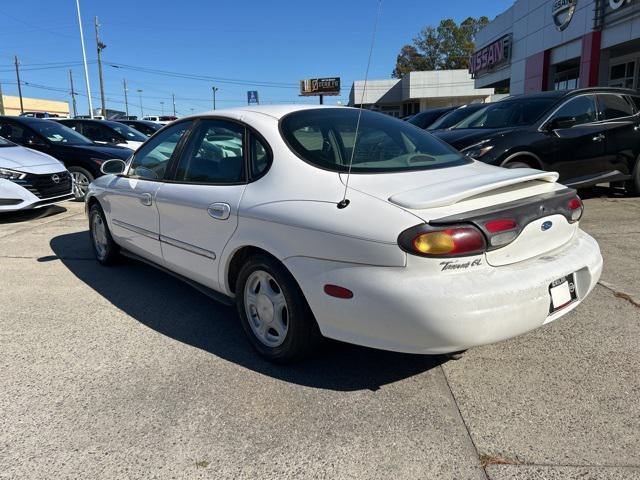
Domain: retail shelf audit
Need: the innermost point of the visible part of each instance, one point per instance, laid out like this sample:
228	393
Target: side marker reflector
337	291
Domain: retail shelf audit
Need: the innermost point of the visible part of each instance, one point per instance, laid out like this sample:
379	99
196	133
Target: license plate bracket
562	293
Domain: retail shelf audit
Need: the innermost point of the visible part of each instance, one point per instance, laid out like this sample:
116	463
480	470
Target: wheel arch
524	156
237	258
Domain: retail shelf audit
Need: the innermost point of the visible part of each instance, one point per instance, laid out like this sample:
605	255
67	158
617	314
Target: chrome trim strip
187	247
138	230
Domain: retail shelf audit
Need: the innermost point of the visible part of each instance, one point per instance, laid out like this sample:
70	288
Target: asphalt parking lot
126	372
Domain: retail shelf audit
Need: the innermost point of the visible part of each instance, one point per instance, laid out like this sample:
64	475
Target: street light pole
214	90
84	60
173	99
162	108
141	111
73	94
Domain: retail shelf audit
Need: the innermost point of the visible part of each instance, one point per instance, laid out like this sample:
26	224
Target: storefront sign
491	56
562	12
320	86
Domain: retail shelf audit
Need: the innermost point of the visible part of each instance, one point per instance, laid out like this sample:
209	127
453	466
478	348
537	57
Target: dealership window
566	75
622	75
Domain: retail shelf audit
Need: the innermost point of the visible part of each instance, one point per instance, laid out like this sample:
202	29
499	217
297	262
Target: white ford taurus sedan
432	252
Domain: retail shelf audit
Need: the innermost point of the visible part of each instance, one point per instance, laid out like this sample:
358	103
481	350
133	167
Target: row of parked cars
588	136
45	161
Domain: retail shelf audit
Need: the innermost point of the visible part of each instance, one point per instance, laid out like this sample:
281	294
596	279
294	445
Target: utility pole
214	90
1	101
73	95
126	100
84	59
173	99
100	46
141	111
162	107
19	84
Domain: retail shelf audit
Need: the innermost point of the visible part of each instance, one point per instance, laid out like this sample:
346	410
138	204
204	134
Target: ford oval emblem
546	225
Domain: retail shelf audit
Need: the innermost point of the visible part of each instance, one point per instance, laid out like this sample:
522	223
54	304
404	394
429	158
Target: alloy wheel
80	185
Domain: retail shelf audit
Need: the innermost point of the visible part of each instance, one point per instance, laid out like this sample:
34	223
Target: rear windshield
508	113
325	137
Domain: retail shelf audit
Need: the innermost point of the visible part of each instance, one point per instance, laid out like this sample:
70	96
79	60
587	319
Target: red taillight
576	208
500	225
448	242
337	291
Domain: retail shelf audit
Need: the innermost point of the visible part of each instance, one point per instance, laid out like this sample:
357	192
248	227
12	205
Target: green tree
445	47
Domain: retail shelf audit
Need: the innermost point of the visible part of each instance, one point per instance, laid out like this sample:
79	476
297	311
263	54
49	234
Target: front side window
127	132
151	160
214	154
578	110
327	138
98	133
614	106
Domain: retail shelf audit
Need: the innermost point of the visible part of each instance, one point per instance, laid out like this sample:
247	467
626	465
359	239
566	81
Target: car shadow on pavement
32	214
175	309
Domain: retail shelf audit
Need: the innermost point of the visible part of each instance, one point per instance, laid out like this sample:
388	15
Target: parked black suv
80	155
588	136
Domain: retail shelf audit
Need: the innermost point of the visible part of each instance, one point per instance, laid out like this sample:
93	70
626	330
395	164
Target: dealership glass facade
563	44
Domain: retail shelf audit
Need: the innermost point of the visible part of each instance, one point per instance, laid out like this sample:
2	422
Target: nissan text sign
495	54
320	86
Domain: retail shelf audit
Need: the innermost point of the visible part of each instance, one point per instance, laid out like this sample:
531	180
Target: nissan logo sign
56	178
616	4
562	12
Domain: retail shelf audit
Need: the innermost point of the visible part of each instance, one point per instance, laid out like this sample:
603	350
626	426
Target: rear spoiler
451	192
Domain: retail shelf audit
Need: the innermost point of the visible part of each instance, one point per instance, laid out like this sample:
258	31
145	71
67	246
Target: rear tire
273	311
632	186
81	180
105	249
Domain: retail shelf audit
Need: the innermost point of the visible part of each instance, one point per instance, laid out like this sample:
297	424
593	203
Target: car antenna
345	201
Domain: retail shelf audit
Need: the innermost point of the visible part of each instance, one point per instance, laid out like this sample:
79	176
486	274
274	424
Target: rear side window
214	154
613	106
259	157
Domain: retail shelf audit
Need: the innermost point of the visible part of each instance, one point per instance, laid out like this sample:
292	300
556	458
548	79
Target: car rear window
326	137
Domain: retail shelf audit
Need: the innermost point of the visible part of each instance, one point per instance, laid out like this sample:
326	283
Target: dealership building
560	44
418	91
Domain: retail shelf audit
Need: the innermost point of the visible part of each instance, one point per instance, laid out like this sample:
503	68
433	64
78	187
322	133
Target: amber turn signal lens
434	243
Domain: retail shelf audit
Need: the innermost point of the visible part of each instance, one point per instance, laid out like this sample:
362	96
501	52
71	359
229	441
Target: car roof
27	120
566	93
275	111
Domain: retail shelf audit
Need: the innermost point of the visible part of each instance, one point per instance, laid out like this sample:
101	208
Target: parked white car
30	179
432	252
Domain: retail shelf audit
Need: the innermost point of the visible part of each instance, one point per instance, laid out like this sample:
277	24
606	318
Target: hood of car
103	152
464	137
18	157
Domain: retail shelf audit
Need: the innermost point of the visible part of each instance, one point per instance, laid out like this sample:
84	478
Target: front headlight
478	150
7	174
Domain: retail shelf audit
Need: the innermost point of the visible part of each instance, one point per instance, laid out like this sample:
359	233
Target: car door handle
598	138
146	199
219	210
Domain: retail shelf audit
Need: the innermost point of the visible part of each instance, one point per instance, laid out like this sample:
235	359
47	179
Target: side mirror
114	166
562	122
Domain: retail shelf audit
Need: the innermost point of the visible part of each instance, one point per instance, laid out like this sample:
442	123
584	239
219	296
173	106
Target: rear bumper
416	309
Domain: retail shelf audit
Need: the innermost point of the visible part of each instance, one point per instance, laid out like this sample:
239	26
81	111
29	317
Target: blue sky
239	42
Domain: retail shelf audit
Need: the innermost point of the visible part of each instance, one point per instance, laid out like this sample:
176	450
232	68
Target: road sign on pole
252	97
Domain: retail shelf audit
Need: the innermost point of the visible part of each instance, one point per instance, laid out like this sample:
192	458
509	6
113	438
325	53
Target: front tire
81	180
632	186
273	311
104	248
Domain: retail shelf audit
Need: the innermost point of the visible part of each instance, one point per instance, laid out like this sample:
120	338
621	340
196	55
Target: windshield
511	113
451	119
325	137
58	133
5	143
127	132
